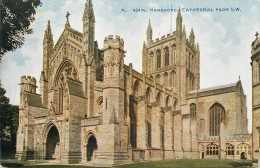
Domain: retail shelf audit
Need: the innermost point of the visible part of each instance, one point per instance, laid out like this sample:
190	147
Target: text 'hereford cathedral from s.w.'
92	108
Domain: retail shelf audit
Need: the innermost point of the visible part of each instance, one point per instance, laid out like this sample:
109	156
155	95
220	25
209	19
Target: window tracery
158	53
212	149
217	114
193	113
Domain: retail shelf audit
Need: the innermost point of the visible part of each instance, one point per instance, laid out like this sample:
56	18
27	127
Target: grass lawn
150	164
190	163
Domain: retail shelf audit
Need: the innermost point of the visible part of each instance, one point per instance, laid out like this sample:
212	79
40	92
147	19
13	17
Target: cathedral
94	109
255	63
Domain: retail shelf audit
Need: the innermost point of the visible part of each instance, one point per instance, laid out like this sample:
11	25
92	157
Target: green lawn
150	164
189	163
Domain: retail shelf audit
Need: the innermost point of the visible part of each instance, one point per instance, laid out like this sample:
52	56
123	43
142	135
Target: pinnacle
149	24
48	28
179	12
191	32
88	11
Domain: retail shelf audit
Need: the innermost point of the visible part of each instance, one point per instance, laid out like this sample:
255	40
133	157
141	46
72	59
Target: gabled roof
75	88
34	100
213	88
232	87
75	32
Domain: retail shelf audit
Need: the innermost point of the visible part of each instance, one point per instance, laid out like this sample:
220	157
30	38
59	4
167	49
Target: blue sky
224	37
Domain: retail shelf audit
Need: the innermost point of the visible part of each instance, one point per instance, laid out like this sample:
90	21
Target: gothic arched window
174	54
229	149
193	110
151	60
172	79
158	79
158	98
212	149
158	53
148	94
217	114
165	79
166	56
136	88
167	101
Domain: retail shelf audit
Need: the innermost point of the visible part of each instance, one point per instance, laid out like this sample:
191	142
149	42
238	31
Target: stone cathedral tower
255	58
95	109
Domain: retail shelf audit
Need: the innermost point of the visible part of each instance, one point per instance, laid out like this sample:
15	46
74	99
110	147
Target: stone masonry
94	109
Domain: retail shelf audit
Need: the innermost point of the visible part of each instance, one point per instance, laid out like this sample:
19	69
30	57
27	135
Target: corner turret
113	117
28	84
113	56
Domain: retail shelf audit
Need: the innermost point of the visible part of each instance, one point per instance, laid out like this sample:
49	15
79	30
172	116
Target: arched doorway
52	144
91	148
243	155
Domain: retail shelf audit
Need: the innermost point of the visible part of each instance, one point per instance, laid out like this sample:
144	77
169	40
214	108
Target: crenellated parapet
113	56
114	43
28	84
256	45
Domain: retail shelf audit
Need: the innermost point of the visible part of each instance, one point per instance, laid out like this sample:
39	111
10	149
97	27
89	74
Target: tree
8	123
16	17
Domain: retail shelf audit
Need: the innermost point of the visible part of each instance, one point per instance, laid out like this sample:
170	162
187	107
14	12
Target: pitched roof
75	88
34	100
75	32
213	88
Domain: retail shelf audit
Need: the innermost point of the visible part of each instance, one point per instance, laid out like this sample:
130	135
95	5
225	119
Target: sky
224	36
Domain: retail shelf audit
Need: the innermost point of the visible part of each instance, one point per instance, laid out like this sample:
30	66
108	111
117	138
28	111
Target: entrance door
52	144
243	155
91	148
202	155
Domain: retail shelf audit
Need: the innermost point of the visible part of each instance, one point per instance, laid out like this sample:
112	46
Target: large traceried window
151	61
217	114
229	149
166	56
174	55
193	110
212	149
158	53
66	72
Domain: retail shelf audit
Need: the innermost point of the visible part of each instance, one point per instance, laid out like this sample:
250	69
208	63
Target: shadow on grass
190	163
12	165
